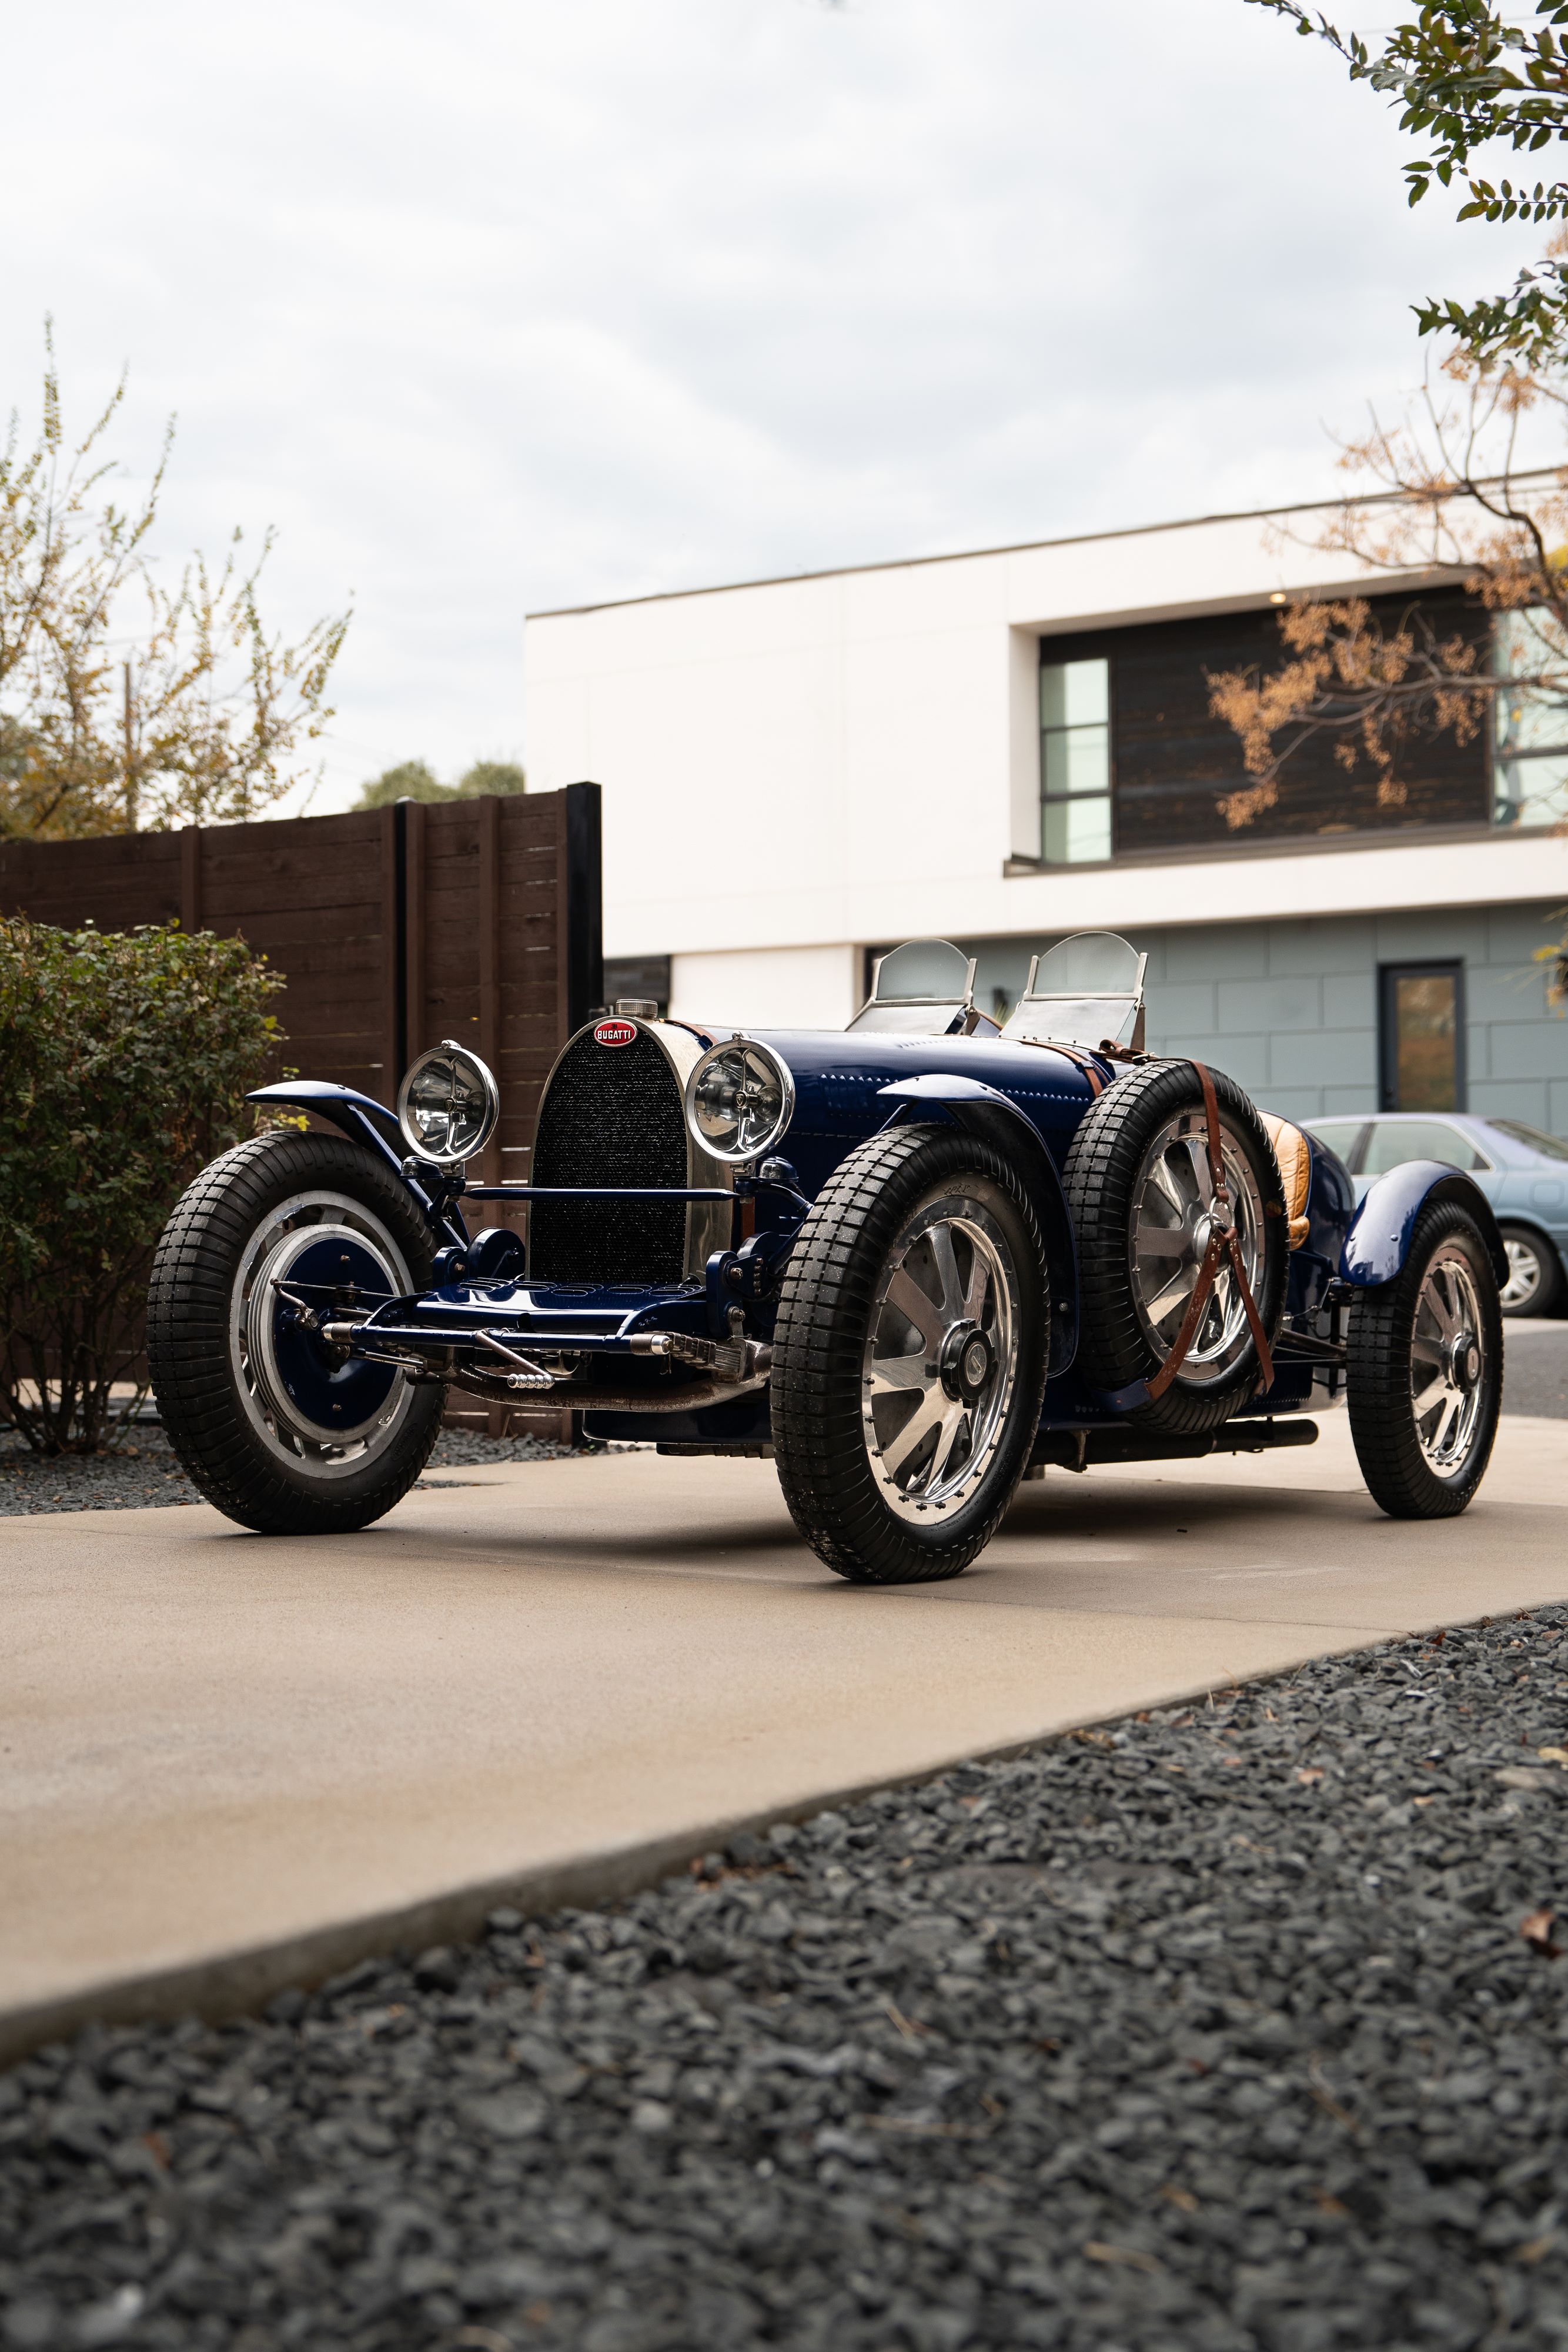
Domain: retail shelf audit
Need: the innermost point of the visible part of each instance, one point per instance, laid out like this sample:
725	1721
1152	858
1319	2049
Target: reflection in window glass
1530	766
1395	1140
1075	761
1421	1045
1077	831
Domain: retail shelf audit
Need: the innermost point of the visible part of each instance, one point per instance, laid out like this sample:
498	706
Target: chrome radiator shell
613	1115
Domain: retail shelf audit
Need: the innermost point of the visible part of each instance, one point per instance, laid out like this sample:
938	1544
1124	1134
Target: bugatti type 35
913	1263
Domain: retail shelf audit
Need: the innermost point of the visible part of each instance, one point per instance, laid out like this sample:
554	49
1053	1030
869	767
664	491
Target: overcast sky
506	304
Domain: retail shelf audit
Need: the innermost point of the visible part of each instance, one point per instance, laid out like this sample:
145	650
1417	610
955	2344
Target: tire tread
187	1332
824	1304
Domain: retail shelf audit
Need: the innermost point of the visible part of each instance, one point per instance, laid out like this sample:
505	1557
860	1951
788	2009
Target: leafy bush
124	1061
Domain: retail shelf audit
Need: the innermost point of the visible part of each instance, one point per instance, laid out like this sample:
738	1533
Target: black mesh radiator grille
613	1115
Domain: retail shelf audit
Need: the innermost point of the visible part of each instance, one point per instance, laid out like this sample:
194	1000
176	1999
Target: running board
1087	1449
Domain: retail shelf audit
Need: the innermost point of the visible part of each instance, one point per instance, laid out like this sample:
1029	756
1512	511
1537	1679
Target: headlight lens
448	1104
740	1097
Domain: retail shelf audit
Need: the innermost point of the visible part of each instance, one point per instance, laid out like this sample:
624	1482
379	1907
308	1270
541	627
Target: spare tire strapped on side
1139	1180
1222	1242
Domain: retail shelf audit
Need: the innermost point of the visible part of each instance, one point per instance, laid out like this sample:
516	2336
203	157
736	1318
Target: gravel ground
140	1472
145	1471
1240	2026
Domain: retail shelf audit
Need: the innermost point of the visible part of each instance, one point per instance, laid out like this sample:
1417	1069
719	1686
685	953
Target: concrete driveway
230	1762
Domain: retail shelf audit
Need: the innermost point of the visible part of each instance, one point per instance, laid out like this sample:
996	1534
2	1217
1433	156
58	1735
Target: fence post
414	816
581	905
190	878
394	975
490	960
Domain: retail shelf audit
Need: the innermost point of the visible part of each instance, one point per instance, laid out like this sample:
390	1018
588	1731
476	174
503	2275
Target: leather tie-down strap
1085	1062
1223	1241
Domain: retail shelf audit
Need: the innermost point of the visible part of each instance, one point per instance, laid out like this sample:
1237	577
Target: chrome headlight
448	1104
740	1097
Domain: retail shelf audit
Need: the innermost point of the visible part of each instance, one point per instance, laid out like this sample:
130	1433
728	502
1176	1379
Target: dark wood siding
481	923
487	930
1172	762
393	928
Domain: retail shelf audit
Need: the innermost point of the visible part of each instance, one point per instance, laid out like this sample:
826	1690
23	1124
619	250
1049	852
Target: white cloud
510	304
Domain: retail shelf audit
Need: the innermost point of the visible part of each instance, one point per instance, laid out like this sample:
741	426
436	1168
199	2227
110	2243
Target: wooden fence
395	927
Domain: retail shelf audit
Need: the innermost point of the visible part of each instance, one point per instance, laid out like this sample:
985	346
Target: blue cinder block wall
1290	1008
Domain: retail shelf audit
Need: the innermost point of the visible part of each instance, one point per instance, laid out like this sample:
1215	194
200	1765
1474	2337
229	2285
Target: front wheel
283	1433
909	1357
1425	1370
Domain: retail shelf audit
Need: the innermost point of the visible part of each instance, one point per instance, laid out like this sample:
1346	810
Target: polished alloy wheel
1525	1273
317	1255
1172	1218
1448	1362
941	1357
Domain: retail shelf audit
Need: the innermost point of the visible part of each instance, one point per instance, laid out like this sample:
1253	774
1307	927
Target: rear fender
982	1111
364	1120
1378	1242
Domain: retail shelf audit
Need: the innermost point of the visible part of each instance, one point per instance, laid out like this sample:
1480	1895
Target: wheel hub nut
1464	1360
966	1362
1217	1220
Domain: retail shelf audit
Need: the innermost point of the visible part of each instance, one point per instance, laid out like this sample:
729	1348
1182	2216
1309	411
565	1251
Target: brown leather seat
1294	1156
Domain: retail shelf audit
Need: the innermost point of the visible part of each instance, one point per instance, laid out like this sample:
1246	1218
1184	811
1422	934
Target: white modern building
1004	747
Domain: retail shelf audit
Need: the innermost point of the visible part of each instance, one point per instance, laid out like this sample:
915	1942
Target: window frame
1066	799
1388	975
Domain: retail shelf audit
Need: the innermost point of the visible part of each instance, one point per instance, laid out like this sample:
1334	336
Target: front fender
1379	1240
984	1112
364	1120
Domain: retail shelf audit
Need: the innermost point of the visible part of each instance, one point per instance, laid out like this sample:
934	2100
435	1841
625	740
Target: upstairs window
1075	761
1529	736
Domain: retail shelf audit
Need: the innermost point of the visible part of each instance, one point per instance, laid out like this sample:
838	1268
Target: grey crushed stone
143	1471
135	1474
1213	2030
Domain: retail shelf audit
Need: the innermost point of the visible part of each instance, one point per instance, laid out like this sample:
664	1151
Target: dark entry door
1422	1036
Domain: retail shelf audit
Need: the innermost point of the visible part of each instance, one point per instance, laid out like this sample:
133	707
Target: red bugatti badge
615	1033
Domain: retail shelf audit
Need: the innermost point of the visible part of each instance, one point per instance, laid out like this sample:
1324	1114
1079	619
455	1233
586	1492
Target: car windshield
1552	1147
1338	1134
923	989
1084	990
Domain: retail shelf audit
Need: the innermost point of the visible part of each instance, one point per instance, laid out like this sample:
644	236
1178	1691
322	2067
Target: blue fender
1379	1240
364	1120
984	1112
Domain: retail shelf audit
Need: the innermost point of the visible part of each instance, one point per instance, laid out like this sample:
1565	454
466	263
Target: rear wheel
1534	1272
909	1357
1425	1370
283	1433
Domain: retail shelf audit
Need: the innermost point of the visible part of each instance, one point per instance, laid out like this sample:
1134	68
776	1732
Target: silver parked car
1522	1171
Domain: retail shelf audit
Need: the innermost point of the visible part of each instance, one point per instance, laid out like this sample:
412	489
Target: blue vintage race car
913	1263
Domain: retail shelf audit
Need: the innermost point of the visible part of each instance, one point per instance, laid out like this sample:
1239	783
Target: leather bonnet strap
1084	1062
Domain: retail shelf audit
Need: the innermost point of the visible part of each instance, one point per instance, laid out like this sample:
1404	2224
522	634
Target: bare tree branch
125	703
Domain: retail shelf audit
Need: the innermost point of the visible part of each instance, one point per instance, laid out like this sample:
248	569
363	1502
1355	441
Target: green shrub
124	1061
